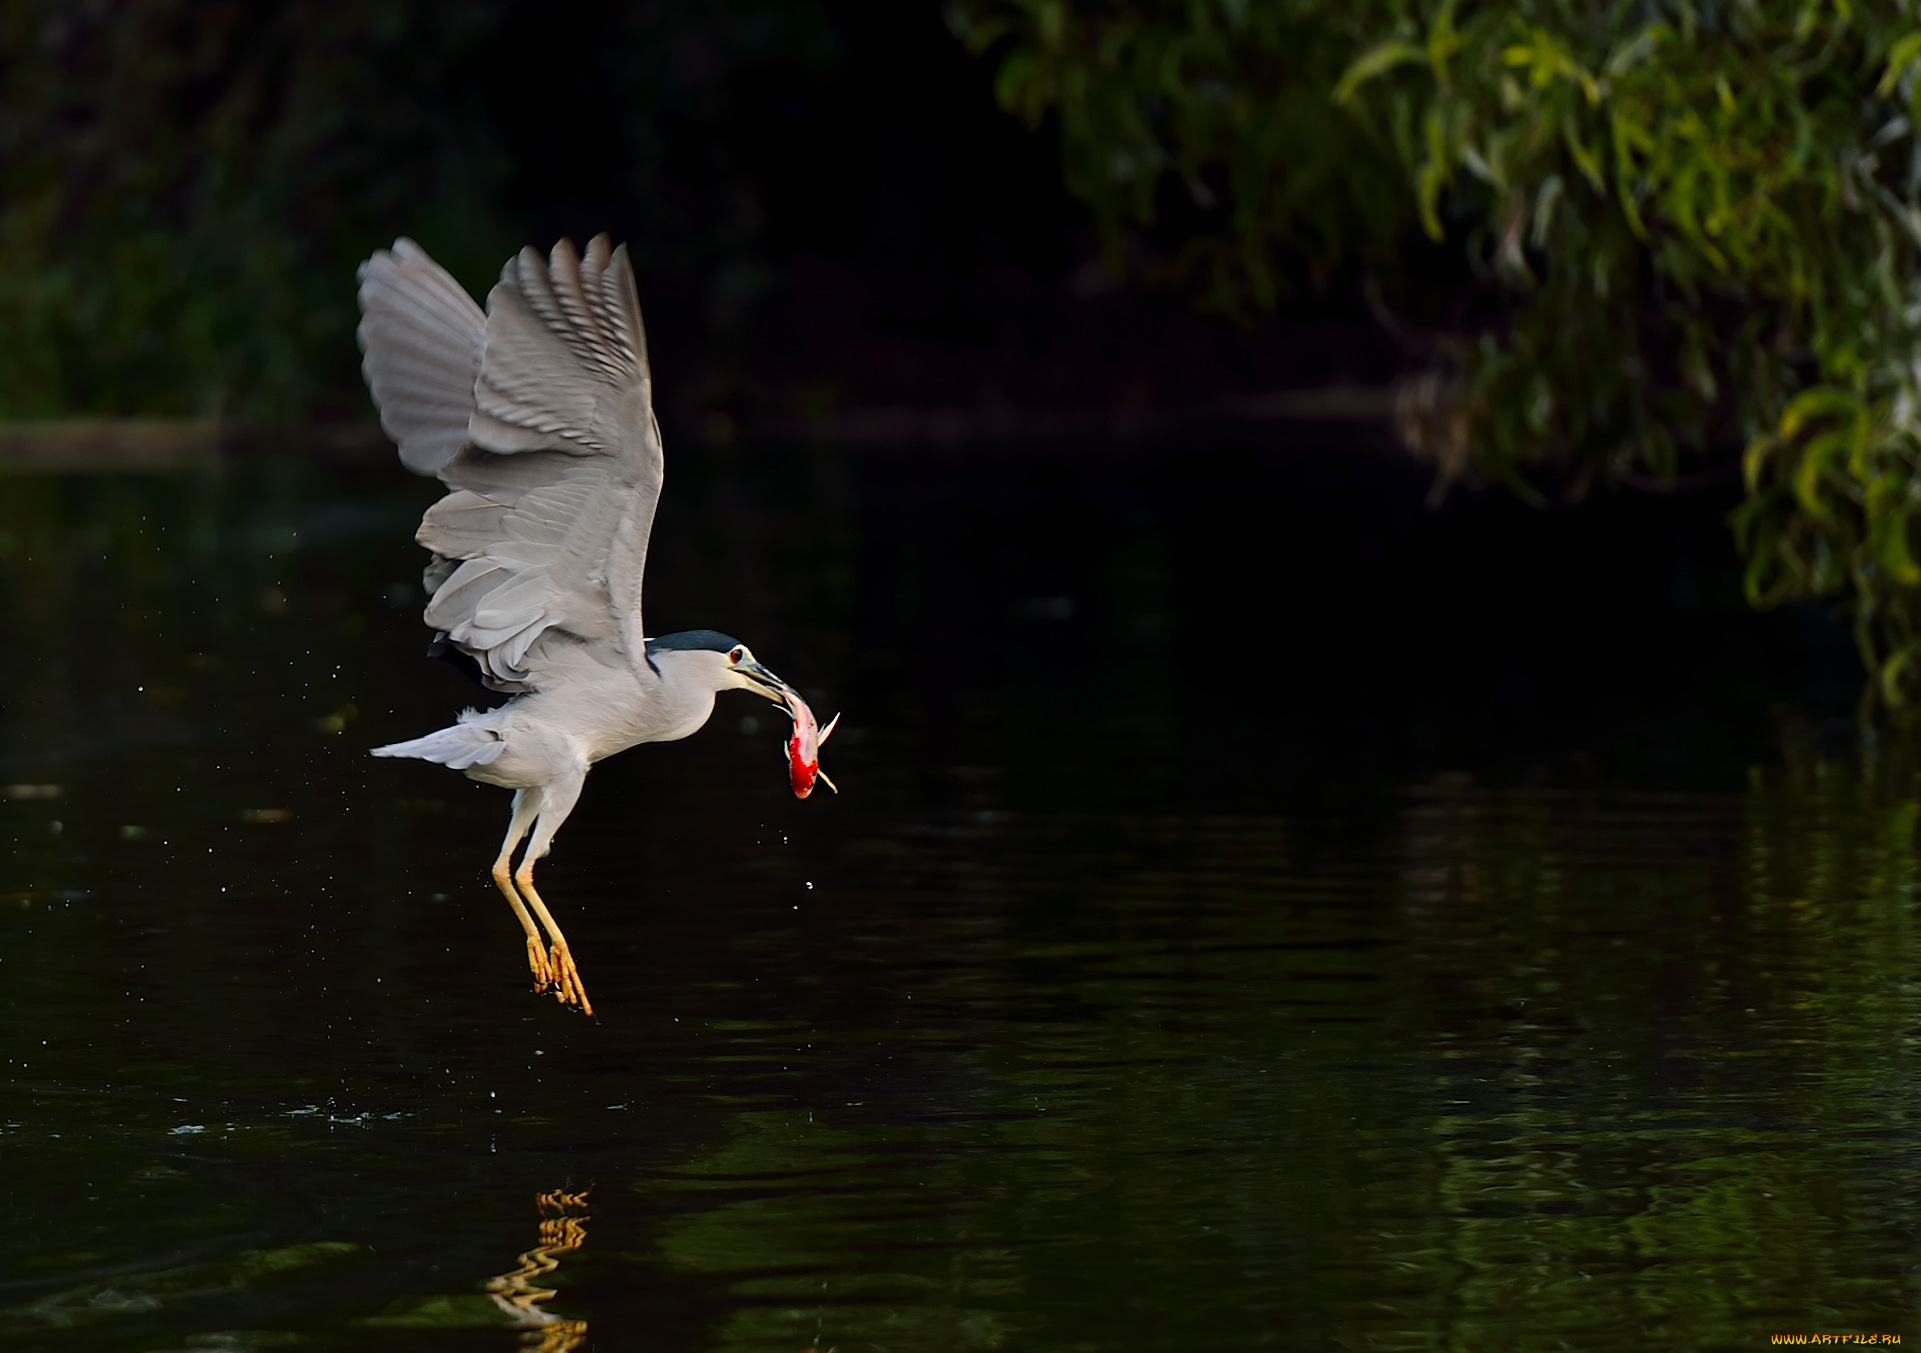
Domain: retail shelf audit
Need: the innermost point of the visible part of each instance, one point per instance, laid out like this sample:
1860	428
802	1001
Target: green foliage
186	188
1216	99
1687	228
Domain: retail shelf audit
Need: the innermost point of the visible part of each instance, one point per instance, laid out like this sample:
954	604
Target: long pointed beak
764	683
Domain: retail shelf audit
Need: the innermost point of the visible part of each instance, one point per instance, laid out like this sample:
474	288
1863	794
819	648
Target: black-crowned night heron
538	417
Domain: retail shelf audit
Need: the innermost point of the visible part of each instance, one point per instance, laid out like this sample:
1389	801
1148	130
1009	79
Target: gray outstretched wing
541	540
422	337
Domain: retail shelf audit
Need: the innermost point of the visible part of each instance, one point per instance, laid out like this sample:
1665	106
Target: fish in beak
803	748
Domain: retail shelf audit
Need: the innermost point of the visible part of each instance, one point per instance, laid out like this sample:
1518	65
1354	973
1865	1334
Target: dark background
825	207
1246	913
829	215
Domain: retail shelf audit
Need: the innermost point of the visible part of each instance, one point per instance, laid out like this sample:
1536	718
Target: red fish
803	748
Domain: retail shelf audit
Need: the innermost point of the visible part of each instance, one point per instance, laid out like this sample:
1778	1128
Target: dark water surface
1261	914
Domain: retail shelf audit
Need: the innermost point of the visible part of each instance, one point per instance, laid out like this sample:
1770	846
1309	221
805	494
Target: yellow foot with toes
544	979
567	987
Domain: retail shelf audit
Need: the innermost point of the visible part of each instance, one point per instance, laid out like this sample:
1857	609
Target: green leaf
1816	456
1901	59
1585	160
1443	41
1820	402
1374	63
1632	53
1888	510
1435	173
1894	670
1624	175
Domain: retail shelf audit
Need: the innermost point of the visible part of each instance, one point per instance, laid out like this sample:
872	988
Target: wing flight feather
551	502
422	337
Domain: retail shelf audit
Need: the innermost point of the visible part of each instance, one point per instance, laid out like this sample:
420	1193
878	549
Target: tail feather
465	744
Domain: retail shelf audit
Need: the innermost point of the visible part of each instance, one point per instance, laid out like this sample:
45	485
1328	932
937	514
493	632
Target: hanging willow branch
1693	232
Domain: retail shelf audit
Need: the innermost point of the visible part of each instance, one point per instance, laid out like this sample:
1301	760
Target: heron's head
723	661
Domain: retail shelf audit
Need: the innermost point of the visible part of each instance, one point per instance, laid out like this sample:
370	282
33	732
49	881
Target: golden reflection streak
563	1229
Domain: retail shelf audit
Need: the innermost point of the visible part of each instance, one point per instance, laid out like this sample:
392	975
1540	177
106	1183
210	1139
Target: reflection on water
1074	1024
563	1229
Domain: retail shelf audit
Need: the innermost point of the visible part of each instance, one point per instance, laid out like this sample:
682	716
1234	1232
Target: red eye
734	656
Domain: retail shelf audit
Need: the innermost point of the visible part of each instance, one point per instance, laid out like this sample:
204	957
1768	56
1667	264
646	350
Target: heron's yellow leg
536	943
526	808
567	985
